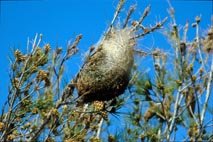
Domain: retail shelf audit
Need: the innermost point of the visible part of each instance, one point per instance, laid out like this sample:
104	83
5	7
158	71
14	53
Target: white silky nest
106	73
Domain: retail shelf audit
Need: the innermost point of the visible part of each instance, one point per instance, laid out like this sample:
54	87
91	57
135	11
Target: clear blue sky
61	20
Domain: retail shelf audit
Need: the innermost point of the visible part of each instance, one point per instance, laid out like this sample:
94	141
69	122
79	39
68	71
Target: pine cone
106	73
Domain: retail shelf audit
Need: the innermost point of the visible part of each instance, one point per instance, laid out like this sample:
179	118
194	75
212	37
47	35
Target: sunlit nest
107	71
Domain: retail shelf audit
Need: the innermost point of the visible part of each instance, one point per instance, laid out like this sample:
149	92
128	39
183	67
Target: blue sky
61	20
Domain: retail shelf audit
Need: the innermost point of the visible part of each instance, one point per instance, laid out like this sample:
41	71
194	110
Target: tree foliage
173	97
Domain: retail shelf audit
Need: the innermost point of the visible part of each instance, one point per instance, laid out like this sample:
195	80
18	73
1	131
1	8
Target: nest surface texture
106	73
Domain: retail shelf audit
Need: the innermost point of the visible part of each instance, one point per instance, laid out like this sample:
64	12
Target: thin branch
178	99
38	131
99	128
152	29
208	92
70	51
130	12
137	24
198	41
186	27
118	10
172	12
145	13
8	115
176	107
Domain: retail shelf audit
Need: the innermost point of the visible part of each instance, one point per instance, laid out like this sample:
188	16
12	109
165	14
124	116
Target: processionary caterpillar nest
107	71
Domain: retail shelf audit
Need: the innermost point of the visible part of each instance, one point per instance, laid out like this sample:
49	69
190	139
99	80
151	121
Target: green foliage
174	96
